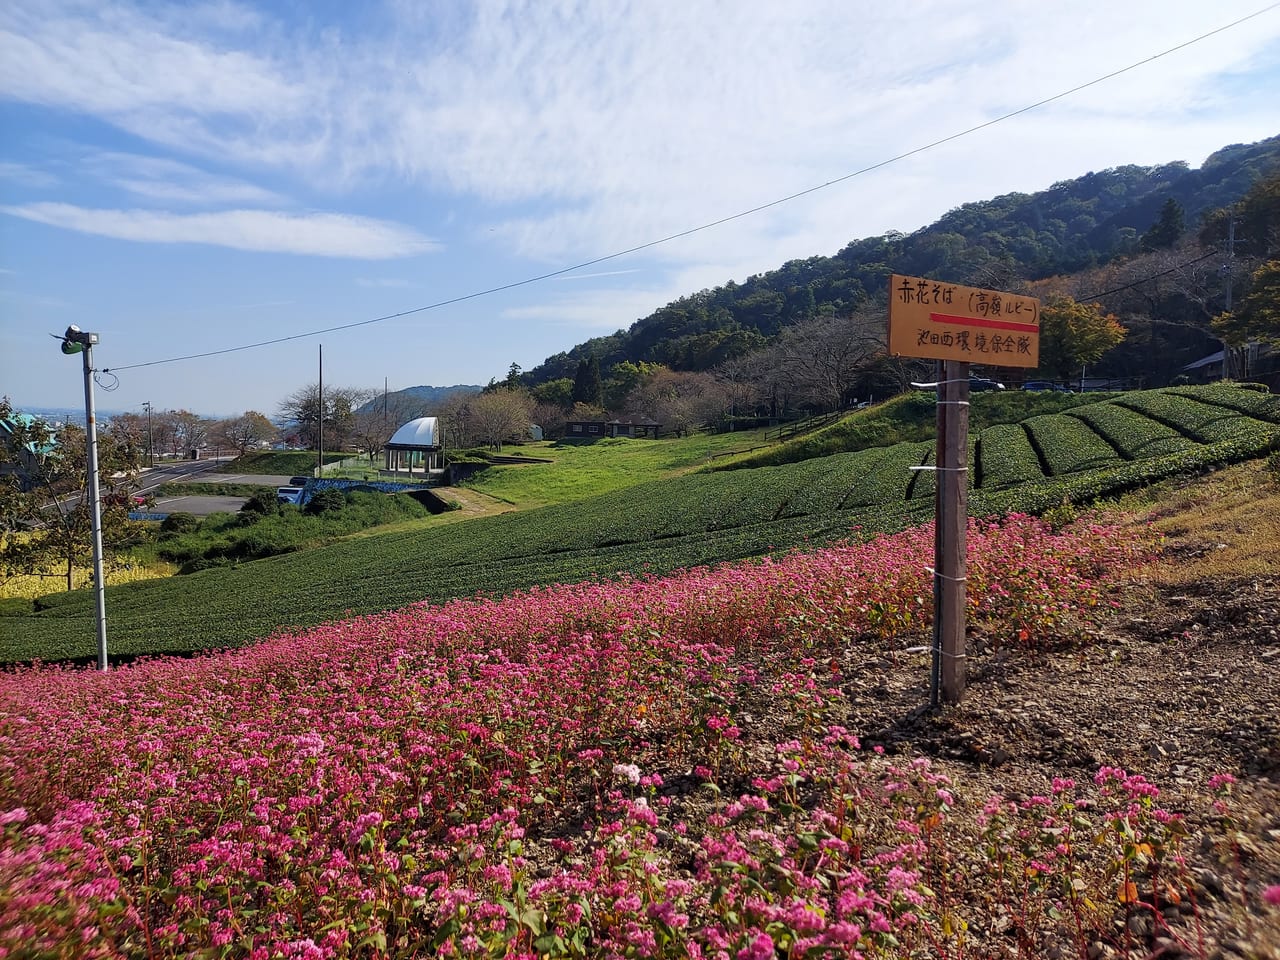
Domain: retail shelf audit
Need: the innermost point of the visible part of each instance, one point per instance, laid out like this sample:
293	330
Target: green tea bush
646	529
15	607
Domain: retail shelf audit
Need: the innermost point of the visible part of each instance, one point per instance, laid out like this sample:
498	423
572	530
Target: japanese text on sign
947	321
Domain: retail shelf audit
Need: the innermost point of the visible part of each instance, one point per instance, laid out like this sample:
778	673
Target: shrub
263	502
322	501
180	523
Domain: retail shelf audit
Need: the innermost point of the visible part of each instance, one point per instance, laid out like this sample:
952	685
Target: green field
588	468
1088	451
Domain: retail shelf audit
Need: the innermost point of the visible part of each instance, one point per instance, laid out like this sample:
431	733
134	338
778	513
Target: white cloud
315	234
588	126
170	181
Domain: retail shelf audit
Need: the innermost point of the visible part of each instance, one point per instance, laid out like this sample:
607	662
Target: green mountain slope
1072	225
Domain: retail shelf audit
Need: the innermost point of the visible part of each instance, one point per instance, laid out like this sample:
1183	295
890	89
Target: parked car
298	481
1046	385
124	500
289	495
979	384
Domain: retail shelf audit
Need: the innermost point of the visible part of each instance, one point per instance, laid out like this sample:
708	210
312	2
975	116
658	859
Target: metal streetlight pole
151	449
76	340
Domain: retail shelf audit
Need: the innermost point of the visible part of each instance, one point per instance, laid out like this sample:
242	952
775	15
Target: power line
489	291
1154	276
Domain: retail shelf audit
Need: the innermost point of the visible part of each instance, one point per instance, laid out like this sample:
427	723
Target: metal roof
423	432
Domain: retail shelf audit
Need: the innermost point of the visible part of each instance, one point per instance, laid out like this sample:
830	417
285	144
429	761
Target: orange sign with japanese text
945	321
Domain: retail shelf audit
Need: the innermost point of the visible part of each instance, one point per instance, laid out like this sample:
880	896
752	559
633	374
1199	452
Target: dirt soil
1181	684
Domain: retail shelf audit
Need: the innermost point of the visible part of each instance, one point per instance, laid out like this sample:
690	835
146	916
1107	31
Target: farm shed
625	427
419	442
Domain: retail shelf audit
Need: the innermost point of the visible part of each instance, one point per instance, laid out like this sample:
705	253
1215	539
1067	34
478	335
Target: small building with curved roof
418	443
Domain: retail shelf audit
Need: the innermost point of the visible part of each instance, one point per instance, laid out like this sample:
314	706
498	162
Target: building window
577	428
593	428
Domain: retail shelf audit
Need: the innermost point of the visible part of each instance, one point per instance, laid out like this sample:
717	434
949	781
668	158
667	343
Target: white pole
95	506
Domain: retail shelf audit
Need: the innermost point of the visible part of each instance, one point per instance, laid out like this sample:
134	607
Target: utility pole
320	420
1232	357
151	450
76	340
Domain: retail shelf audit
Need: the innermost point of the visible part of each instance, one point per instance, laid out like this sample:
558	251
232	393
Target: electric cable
489	291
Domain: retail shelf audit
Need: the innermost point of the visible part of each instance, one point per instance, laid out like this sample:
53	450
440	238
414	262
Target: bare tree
551	417
190	431
247	430
371	429
823	356
456	420
301	409
680	401
501	415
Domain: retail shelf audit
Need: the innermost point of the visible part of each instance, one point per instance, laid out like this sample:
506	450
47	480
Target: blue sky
183	178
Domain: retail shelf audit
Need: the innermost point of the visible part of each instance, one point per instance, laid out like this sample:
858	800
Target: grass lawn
587	468
278	462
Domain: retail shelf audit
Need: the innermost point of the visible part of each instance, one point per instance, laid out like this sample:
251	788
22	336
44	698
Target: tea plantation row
1088	451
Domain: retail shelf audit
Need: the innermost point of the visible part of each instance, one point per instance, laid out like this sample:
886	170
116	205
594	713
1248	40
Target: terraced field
1089	450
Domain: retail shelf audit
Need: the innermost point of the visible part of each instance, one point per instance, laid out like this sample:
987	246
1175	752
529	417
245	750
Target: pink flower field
643	768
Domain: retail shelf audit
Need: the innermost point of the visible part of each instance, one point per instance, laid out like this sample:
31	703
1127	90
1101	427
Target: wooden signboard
945	321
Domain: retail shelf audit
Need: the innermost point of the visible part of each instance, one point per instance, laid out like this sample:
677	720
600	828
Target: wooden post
951	518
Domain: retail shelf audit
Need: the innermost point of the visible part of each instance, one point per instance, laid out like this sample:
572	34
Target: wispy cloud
590	276
317	234
594	311
34	299
588	126
170	181
383	282
24	175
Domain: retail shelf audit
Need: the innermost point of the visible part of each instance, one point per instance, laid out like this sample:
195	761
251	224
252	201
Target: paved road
199	506
200	471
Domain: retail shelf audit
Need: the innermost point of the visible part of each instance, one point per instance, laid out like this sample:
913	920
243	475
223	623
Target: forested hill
1072	226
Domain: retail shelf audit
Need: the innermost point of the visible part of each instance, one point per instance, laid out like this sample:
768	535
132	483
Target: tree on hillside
1073	335
249	429
558	392
1257	315
587	384
623	379
1256	222
1168	228
44	498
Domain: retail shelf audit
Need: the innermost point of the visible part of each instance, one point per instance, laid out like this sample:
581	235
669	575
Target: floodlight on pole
79	341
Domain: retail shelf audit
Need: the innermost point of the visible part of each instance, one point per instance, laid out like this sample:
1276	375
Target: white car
289	495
